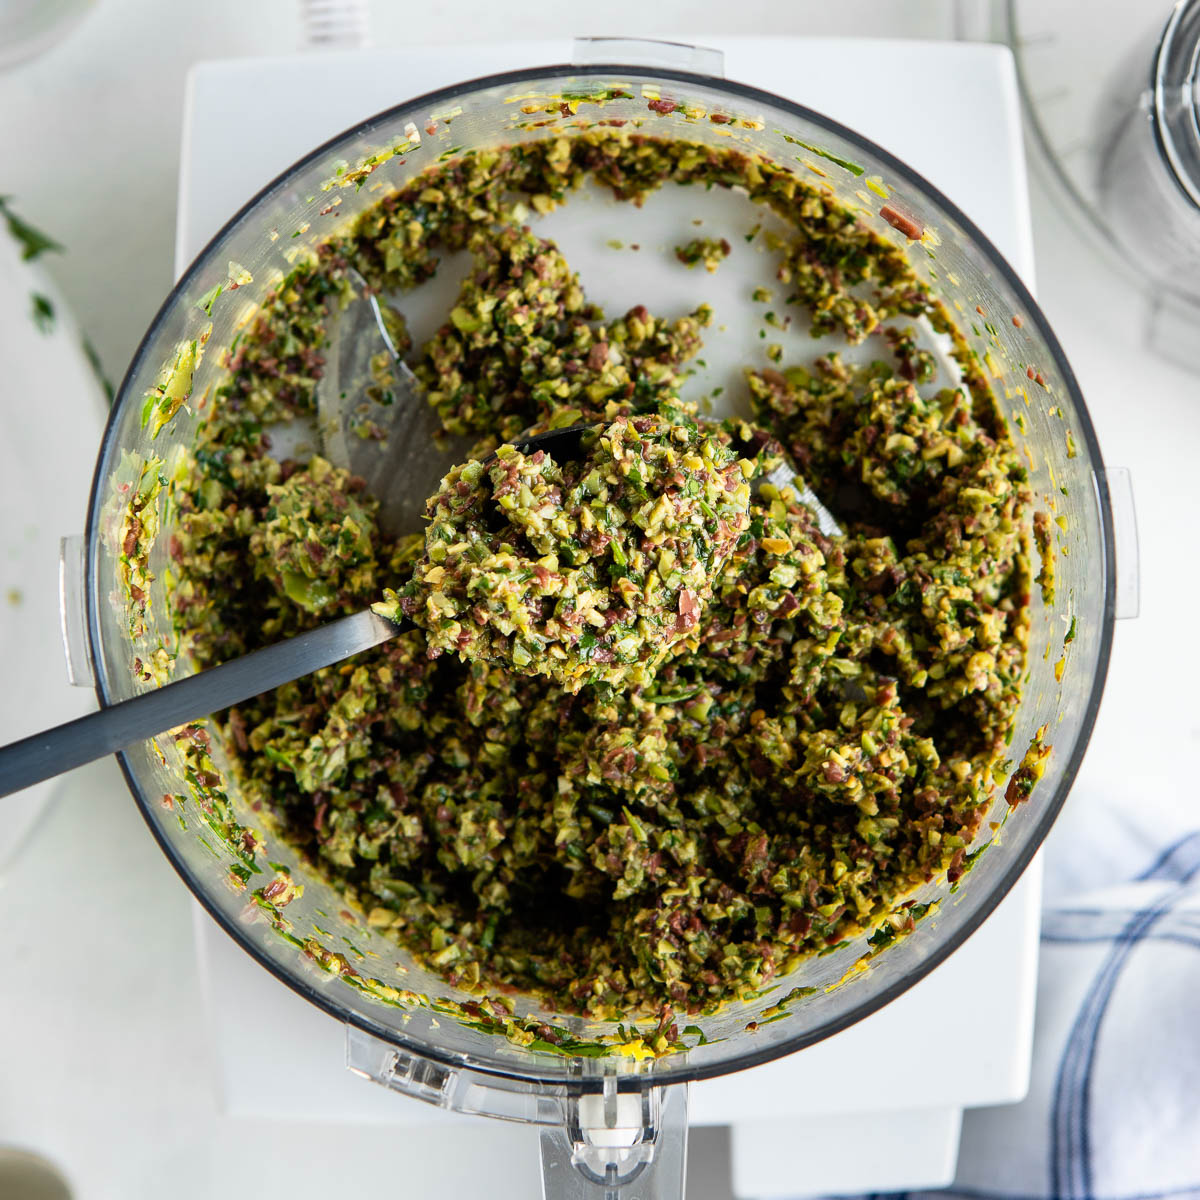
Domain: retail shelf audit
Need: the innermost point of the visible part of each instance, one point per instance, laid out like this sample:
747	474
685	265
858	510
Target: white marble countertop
90	135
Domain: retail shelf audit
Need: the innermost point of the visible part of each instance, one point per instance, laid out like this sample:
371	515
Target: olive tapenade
822	741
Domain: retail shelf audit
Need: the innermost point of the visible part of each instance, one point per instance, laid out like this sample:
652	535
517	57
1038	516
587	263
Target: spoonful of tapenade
583	558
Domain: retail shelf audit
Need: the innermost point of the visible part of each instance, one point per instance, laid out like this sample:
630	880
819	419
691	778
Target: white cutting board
797	1122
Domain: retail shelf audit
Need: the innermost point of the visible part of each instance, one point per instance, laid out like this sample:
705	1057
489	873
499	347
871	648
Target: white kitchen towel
1113	1111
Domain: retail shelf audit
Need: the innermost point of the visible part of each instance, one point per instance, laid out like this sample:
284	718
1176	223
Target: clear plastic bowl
413	1049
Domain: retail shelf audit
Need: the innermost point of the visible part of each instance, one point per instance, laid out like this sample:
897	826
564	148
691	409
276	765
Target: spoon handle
64	747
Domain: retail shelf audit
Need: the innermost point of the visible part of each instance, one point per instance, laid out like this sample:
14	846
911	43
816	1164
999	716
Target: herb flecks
822	743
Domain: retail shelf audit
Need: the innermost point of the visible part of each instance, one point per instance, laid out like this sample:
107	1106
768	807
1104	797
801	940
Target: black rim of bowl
664	1073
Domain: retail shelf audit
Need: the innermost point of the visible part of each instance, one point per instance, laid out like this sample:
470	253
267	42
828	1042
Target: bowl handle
646	52
1119	485
72	614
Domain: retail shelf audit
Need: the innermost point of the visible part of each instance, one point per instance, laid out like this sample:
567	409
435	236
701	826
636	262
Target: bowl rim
669	1070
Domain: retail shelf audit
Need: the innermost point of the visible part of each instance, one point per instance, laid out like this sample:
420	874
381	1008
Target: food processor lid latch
611	1140
594	1143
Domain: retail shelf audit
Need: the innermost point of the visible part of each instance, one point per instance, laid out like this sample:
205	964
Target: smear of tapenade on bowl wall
817	746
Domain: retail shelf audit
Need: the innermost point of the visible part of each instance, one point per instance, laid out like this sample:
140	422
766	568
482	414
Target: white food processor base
862	1111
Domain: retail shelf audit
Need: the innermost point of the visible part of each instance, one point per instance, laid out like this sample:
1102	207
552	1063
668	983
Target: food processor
614	1121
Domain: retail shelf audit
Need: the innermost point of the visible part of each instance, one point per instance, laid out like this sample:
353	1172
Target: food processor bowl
618	1117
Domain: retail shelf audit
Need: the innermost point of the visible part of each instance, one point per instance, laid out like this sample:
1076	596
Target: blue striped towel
1113	1111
